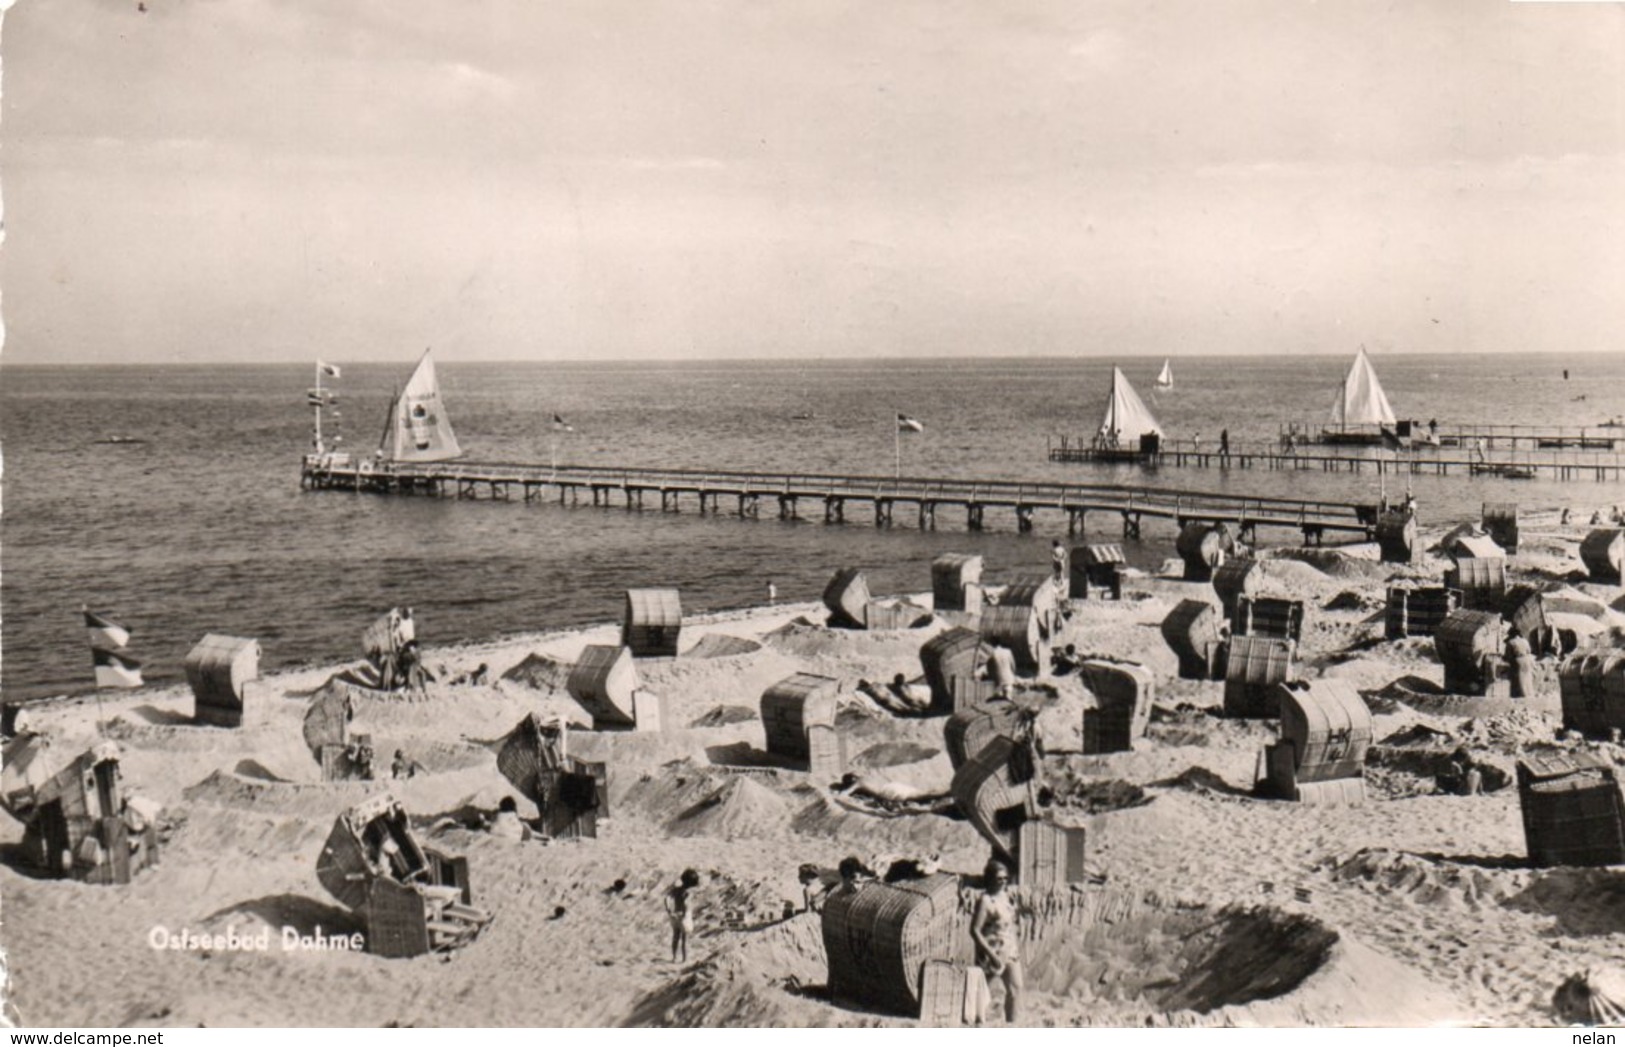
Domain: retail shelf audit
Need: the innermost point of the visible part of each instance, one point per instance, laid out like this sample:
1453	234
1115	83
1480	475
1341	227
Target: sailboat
1361	408
417	429
1165	380
1127	423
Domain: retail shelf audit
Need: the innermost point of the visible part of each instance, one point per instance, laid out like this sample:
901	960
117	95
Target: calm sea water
203	528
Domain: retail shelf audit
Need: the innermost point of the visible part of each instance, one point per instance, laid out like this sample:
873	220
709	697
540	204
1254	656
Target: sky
275	180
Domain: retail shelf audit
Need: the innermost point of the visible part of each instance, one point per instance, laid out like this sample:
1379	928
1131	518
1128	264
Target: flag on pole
105	634
560	425
905	424
114	669
331	370
317	397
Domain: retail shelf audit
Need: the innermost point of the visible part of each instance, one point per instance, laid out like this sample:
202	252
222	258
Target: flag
105	633
909	425
316	398
331	370
560	425
116	670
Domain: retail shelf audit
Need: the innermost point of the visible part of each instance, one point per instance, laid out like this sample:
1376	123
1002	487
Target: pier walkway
1416	461
1605	436
790	495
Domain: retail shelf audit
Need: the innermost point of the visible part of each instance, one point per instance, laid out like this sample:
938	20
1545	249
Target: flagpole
319	447
84	610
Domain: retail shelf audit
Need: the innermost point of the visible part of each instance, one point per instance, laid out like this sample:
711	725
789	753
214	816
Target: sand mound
802	639
1240	965
1423	881
893	754
318	799
1349	600
741	807
1584	902
541	672
716	645
772	977
723	715
1094	796
1359	562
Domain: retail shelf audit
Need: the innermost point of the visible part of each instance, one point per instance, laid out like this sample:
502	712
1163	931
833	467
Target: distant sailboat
1165	380
418	429
1128	420
1361	407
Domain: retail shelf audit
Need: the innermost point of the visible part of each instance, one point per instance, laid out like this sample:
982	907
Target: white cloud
1102	50
470	82
675	163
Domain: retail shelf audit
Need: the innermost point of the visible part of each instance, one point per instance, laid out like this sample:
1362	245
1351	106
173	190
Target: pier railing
466	478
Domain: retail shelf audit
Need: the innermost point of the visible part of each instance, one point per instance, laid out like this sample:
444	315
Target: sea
202	527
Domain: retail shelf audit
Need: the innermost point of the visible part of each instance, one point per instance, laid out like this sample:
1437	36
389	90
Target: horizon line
646	360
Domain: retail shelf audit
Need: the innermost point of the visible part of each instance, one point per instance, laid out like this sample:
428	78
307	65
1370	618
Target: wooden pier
1605	437
1415	461
791	496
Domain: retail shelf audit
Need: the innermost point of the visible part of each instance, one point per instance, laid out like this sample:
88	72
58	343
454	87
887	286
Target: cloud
471	83
1102	50
675	163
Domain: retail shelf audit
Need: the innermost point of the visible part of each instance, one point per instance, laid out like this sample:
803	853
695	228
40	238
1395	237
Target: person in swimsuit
680	910
993	929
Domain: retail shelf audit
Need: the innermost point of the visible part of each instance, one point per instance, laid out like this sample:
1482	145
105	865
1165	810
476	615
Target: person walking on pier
1224	443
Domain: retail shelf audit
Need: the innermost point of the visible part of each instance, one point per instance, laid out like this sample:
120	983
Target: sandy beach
1415	908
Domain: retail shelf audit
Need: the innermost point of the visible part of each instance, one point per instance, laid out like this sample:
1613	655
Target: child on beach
680	909
993	929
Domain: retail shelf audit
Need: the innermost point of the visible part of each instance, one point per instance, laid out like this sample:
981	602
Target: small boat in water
1165	380
1361	409
1128	432
1504	470
418	429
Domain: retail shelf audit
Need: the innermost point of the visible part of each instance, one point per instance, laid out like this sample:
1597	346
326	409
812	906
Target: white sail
1127	417
1165	380
1361	400
419	430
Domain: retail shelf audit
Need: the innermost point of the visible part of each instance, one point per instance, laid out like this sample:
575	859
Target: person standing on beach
1521	658
1001	665
993	929
679	907
772	593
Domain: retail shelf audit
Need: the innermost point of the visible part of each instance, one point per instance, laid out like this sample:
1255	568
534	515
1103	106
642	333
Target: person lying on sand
853	784
901	695
476	677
